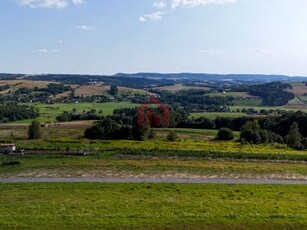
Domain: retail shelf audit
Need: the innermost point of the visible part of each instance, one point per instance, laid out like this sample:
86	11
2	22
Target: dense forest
15	112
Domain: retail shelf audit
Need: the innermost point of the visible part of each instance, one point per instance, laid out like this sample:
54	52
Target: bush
225	134
152	134
10	163
172	136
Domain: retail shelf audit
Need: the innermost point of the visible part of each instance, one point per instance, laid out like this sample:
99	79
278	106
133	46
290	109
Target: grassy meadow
152	206
50	112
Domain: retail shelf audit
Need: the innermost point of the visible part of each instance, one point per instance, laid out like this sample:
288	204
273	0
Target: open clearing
152	206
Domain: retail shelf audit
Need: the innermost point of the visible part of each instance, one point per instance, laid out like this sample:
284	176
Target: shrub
225	134
172	136
152	134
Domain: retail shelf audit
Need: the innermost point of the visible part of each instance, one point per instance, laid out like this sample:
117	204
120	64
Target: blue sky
110	36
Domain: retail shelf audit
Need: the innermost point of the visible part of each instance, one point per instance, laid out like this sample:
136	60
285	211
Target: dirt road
152	180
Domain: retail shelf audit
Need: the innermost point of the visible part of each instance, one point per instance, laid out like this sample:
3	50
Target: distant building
7	148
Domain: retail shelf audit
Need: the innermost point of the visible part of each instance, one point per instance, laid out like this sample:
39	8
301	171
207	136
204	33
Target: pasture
50	111
152	206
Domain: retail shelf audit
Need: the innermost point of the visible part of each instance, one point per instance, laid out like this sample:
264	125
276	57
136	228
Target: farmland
62	151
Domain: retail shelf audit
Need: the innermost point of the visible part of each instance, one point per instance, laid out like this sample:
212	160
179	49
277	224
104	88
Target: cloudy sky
110	36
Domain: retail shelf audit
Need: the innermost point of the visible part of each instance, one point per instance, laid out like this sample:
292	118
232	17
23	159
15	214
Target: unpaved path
152	180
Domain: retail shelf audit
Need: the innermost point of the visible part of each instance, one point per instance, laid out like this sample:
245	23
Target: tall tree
113	90
294	136
34	131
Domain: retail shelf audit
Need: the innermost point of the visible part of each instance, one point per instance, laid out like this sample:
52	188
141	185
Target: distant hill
143	80
216	77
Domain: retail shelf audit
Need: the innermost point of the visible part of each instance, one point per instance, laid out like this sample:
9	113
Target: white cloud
56	4
160	4
151	17
85	27
262	51
192	3
77	2
45	51
210	51
59	41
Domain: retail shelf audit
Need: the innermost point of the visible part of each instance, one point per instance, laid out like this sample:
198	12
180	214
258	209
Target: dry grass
17	84
299	89
90	90
51	130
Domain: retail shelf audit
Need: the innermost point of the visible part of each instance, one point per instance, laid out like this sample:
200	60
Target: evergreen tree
34	130
294	136
113	90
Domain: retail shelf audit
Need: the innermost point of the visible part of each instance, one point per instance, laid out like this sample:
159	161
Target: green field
194	132
248	102
213	115
258	108
49	112
152	206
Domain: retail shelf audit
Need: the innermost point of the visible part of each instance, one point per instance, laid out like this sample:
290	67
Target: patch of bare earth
90	90
50	173
299	89
297	106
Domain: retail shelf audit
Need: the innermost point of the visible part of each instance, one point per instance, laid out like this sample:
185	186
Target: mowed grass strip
153	206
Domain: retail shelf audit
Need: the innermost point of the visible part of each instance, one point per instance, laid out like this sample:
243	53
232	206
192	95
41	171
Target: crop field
152	206
50	112
184	148
200	132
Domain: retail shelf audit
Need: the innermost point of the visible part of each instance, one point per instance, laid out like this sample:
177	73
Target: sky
167	36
